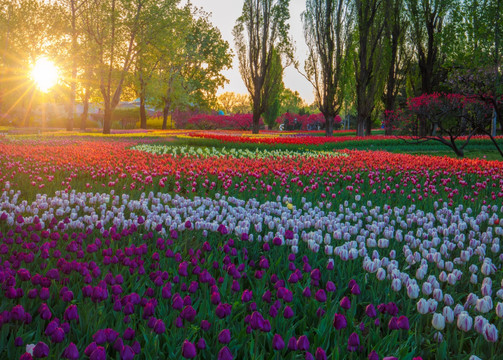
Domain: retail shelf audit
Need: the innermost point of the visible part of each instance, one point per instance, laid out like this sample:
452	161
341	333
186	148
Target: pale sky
224	14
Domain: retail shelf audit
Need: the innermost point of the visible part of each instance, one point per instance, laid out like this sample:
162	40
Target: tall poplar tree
259	33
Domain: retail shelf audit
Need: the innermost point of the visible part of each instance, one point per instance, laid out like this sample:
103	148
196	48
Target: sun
44	74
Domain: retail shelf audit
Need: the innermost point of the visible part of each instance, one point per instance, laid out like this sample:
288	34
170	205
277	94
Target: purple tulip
159	327
98	354
223	310
90	348
316	274
18	341
340	321
373	355
71	352
44	293
58	335
71	313
205	325
267	296
292	344
293	278
188	350
277	342
330	286
392	309
370	310
225	354
246	296
266	327
41	350
256	321
306	292
355	289
118	344
215	298
100	337
129	334
345	303
309	356
201	344
51	327
136	347
127	353
320	354
403	322
320	295
303	343
224	337
288	312
393	324
353	342
188	313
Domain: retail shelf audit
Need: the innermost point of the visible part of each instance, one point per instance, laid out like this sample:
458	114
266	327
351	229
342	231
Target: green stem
460	350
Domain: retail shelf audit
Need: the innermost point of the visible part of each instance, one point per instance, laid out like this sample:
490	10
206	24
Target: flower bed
111	252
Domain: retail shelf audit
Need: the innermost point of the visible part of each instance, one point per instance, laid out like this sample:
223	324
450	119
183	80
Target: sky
224	14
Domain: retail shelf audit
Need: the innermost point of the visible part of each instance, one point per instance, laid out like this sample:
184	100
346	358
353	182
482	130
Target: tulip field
204	247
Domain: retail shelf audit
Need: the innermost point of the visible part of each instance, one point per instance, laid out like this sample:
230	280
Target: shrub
214	122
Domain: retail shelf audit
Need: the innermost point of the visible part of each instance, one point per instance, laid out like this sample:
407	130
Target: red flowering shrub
442	117
214	122
306	121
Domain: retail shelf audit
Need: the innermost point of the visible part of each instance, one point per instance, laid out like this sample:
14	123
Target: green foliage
261	35
276	91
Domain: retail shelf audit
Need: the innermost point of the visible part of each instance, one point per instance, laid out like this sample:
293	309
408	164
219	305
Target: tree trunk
329	125
107	119
165	113
85	110
368	126
255	125
422	126
459	152
73	80
143	113
360	125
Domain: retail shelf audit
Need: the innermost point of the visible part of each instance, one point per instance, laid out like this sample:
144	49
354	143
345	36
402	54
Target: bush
220	122
156	123
305	122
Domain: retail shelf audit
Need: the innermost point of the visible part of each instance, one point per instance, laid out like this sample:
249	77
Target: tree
190	71
327	29
22	43
114	26
74	9
157	33
233	103
451	119
370	20
276	91
260	31
291	101
395	52
428	18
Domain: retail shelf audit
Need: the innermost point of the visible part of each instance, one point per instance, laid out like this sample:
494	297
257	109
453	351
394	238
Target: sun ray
17	101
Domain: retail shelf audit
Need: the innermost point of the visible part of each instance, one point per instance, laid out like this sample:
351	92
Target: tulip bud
438	321
490	333
422	306
465	321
